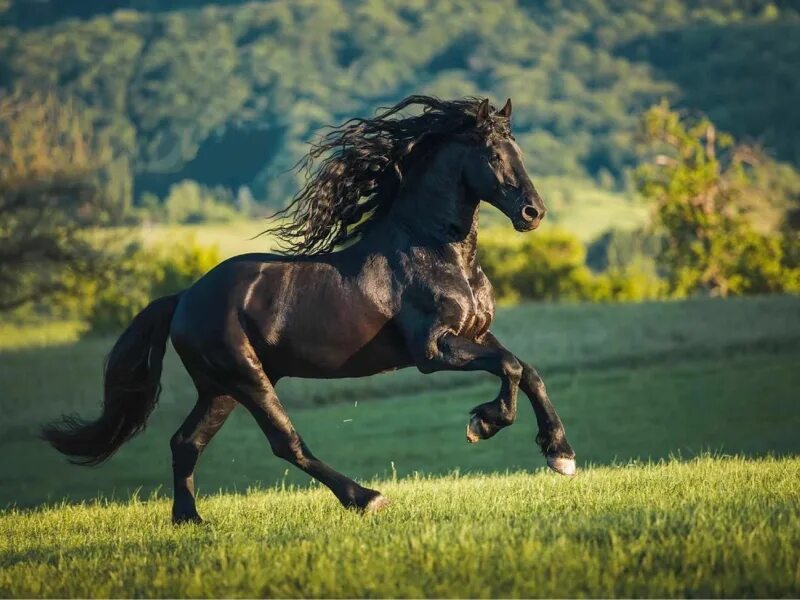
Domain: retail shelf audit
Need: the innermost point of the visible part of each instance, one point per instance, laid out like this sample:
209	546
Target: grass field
632	382
705	528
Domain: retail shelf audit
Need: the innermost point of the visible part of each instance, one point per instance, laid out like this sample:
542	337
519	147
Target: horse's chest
480	311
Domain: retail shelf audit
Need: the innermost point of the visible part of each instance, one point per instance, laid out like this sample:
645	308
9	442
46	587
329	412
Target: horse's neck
435	211
469	246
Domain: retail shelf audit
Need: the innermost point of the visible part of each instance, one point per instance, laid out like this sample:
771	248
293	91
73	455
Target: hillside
705	528
228	93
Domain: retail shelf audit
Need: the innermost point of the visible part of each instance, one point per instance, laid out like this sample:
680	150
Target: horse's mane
354	170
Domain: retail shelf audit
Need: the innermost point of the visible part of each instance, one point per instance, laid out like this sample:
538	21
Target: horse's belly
347	350
335	332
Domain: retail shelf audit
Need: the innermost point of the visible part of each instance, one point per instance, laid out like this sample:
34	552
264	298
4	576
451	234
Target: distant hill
228	93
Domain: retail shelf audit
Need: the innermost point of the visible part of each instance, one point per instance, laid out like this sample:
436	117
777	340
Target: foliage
228	93
551	265
702	186
617	248
145	274
634	282
188	202
541	266
49	200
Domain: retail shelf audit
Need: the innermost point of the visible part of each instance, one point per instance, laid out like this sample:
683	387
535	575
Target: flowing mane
355	169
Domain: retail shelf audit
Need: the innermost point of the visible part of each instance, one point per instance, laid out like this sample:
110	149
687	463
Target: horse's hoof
473	430
563	466
193	519
379	502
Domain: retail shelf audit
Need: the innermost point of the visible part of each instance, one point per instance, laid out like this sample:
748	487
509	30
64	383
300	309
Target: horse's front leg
449	352
552	439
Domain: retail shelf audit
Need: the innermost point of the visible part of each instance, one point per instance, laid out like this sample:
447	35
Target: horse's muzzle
530	218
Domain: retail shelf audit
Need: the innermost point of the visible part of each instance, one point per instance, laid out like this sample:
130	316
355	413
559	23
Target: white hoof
473	427
377	503
564	466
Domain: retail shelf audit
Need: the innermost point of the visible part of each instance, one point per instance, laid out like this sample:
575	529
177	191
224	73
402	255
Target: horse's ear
483	112
505	112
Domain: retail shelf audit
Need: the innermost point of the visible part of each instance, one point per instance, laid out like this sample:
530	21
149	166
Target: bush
618	248
765	263
188	202
551	265
145	274
633	283
542	266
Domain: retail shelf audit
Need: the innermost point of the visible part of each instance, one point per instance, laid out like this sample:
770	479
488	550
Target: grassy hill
704	528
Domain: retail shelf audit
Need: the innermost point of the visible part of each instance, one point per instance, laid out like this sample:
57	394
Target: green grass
706	528
632	382
231	238
21	335
587	211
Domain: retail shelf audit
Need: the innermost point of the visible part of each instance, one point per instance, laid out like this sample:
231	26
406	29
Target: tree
50	203
222	92
702	185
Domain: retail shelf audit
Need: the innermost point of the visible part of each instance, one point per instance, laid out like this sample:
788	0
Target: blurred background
143	141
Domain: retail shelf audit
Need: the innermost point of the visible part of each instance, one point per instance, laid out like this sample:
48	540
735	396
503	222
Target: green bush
765	263
145	274
189	202
634	282
551	265
618	248
541	266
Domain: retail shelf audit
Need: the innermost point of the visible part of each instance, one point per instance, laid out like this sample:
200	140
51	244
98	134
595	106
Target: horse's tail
132	376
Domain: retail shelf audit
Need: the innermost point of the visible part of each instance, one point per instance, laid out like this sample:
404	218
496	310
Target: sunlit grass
21	335
231	238
586	211
707	528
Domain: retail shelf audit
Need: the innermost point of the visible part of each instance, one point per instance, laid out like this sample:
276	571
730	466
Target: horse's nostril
529	213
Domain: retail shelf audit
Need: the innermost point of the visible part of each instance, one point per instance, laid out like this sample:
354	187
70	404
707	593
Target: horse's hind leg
187	444
260	399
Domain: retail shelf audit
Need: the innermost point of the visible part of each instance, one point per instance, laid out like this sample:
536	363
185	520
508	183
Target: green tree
229	93
50	202
700	183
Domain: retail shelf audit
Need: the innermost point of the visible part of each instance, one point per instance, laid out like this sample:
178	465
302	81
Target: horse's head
494	172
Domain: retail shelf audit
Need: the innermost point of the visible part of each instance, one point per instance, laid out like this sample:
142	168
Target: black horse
381	274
